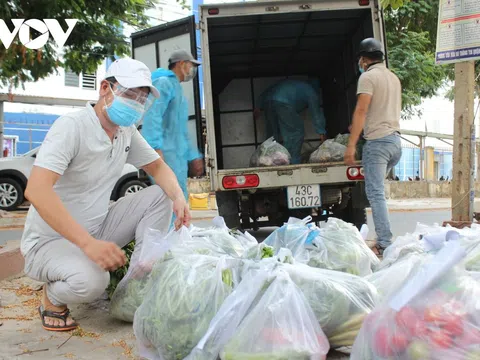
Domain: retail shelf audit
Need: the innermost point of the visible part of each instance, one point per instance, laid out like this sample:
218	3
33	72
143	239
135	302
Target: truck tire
227	203
355	216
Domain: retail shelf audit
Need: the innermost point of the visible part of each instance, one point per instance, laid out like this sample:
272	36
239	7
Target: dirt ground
100	337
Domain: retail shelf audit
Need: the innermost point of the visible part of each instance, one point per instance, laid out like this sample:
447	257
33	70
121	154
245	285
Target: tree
411	37
96	36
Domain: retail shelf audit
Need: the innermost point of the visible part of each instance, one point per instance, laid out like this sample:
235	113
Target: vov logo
45	28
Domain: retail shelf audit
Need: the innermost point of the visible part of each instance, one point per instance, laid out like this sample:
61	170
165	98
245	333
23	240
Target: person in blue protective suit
282	104
165	125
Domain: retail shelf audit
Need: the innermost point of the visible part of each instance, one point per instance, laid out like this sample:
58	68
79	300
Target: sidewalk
100	337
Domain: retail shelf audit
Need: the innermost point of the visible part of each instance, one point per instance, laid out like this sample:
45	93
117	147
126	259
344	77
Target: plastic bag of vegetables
131	290
270	153
279	326
329	151
340	246
340	301
390	279
295	235
434	316
185	295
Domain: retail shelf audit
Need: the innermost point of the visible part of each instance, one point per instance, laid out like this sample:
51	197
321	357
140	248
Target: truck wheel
227	203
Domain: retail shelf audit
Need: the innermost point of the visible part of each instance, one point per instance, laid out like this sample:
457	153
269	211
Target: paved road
402	222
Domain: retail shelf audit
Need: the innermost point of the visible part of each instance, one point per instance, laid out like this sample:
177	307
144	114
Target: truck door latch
305	7
272	8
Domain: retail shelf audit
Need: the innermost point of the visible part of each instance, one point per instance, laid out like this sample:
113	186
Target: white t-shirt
78	148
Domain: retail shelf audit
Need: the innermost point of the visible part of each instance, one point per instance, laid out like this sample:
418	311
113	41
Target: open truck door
153	47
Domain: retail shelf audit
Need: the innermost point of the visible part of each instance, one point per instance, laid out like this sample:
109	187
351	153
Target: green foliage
117	275
96	36
411	39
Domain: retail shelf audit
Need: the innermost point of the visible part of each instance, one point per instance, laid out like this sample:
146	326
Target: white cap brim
131	82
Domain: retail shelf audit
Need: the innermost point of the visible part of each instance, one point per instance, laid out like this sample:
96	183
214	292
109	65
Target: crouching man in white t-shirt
72	238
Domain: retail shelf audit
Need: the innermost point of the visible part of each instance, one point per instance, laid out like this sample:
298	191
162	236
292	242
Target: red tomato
406	318
441	339
454	325
399	342
434	314
419	330
470	336
381	342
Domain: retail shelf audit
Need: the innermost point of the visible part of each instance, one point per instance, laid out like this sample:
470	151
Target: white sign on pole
458	35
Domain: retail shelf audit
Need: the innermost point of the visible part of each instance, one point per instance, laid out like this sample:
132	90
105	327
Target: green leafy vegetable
185	295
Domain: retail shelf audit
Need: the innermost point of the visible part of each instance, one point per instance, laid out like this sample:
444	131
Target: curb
11	262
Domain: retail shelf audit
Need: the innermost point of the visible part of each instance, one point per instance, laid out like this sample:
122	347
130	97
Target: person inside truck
72	236
282	105
165	124
377	114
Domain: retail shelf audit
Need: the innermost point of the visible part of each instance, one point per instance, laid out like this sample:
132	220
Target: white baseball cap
132	73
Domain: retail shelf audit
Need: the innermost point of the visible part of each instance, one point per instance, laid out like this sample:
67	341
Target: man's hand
349	157
182	213
196	167
323	137
105	254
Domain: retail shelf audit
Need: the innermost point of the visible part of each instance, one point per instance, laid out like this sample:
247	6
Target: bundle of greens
185	294
340	301
280	325
340	246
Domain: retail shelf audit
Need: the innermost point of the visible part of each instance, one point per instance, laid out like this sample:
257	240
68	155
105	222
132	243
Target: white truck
246	47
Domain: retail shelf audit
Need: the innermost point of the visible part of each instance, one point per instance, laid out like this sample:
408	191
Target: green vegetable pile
185	295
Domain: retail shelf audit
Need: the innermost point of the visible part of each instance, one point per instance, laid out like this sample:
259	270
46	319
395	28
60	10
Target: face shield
128	105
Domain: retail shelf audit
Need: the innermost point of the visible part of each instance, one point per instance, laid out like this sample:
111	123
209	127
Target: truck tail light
241	181
363	2
213	11
355	173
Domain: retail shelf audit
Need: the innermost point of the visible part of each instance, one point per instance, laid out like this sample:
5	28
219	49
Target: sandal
57	315
378	250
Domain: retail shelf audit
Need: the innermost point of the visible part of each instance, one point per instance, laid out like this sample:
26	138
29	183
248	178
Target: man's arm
166	179
359	116
141	155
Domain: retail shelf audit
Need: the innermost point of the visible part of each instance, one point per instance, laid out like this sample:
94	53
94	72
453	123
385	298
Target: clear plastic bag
329	151
390	279
295	235
280	326
434	316
185	295
131	290
270	153
340	246
339	300
234	309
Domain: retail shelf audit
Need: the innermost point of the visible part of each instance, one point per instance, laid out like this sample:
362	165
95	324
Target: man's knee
89	285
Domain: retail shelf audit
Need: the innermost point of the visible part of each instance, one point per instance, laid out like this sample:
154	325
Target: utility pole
463	187
478	162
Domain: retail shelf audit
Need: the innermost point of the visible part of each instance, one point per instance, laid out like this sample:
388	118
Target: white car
14	173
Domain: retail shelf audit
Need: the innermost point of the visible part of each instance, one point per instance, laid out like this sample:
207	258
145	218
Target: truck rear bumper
294	175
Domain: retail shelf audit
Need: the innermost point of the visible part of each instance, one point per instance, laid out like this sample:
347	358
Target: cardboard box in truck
246	47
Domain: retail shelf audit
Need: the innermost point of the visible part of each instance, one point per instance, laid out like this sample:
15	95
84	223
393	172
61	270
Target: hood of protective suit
161	73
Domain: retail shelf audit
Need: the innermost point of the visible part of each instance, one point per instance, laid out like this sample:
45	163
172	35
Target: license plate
303	196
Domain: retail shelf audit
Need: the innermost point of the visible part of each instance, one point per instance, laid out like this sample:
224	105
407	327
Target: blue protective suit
282	104
165	126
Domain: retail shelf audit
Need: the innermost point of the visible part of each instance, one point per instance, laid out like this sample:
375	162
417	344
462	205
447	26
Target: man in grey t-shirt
72	237
377	113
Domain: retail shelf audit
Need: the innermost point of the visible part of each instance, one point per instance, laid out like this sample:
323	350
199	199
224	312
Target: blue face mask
124	112
360	67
